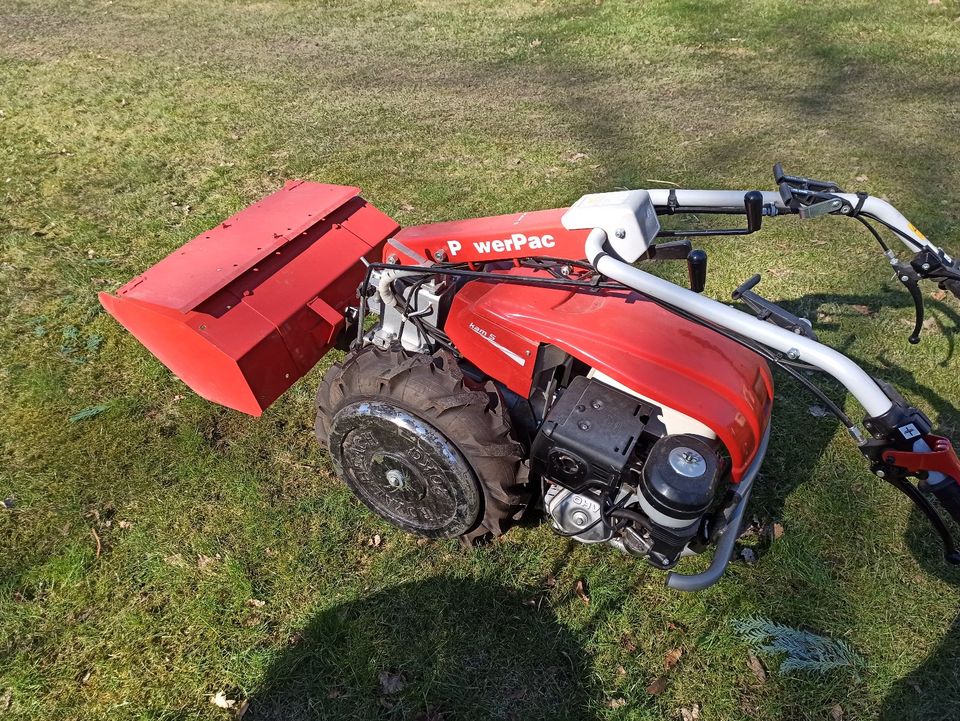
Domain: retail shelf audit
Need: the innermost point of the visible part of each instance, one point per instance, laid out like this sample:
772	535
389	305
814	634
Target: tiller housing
528	363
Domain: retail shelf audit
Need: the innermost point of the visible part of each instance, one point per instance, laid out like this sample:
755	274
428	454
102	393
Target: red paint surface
634	341
499	237
242	311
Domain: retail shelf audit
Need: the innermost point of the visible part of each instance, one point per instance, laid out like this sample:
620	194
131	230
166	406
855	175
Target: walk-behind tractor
527	363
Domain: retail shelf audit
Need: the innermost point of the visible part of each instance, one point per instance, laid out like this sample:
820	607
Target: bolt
395	478
845	209
925	266
880	474
793	354
584	425
597	405
620	233
392	259
440	256
579	518
904	278
565	270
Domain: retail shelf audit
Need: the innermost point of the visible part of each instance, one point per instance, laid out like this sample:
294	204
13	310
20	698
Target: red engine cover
673	361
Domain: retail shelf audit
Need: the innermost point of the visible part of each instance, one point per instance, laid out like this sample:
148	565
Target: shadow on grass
439	648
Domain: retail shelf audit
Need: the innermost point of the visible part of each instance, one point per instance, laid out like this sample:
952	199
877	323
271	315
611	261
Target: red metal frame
498	237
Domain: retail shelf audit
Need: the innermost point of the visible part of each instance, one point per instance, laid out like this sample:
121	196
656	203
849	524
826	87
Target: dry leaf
175	560
621	672
391	683
204	562
125	524
334	693
672	657
256	603
581	593
577	157
657	686
220	700
536	43
690	714
777	531
550	581
628	643
757	667
423	541
939	295
836	713
862	178
617	702
862	309
374	540
5	699
406	207
241	710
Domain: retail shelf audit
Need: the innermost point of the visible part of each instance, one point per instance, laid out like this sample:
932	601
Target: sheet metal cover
194	272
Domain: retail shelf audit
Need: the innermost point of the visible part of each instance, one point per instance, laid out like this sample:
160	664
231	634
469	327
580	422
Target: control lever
771	312
697	270
800	183
911	280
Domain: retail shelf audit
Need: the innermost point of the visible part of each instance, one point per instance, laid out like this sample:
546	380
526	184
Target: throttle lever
911	280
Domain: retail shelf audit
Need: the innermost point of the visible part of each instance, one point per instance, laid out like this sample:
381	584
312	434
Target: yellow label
916	231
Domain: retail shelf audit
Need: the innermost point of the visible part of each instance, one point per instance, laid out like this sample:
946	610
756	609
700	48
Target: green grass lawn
166	549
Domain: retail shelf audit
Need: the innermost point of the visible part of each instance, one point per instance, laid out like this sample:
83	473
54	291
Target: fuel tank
500	328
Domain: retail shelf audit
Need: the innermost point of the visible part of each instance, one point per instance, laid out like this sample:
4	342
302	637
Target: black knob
753	204
697	270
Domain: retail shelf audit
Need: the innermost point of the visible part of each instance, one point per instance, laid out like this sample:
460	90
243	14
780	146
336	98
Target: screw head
880	473
395	478
793	354
925	266
579	518
392	259
620	233
584	425
440	256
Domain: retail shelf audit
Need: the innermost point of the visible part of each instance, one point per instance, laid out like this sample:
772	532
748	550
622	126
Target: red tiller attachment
245	309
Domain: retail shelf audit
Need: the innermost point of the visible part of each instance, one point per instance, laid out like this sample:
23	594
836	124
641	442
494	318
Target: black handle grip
745	286
697	270
753	204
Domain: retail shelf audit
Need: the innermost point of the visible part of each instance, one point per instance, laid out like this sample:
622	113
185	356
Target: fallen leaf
423	541
334	693
657	686
5	699
818	411
374	541
204	562
577	157
672	657
220	700
617	702
125	524
757	667
621	672
628	643
777	531
406	207
836	713
550	581
256	603
862	178
175	560
536	43
581	593
391	683
690	714
862	309
939	295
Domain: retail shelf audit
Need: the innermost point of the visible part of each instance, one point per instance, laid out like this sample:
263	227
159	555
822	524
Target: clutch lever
911	280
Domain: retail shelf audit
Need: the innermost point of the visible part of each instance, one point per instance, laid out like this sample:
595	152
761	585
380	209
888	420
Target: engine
614	475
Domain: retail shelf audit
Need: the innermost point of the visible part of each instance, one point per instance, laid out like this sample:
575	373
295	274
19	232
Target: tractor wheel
420	445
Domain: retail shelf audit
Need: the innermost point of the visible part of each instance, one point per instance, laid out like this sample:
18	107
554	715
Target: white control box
626	216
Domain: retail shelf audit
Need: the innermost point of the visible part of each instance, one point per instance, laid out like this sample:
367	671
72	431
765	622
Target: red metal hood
673	361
